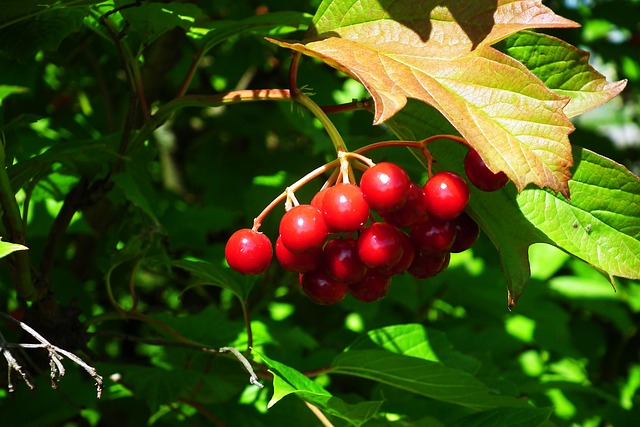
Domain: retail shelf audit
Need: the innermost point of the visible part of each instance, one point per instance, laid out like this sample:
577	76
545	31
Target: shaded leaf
209	274
276	23
7	248
44	31
287	381
423	377
507	417
441	56
563	68
150	20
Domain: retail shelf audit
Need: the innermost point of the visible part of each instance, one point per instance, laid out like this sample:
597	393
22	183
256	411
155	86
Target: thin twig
318	413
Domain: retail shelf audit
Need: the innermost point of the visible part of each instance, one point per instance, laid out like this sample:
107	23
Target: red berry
248	251
321	288
318	198
380	245
413	210
480	175
303	229
467	232
408	252
429	264
298	263
373	286
342	262
385	187
433	235
446	194
344	208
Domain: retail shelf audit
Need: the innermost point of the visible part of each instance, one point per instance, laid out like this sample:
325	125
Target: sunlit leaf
600	224
565	69
7	248
287	380
441	55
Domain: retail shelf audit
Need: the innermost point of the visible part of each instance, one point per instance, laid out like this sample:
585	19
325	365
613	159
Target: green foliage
138	135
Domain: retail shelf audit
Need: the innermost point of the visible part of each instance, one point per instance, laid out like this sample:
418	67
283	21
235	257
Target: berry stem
257	222
329	127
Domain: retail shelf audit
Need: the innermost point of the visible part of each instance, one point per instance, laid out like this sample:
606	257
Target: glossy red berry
427	265
297	263
344	208
467	232
303	229
432	235
412	212
341	260
446	195
318	198
380	246
408	252
385	187
248	251
373	286
480	175
321	288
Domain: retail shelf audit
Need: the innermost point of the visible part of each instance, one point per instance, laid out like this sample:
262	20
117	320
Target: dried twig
55	357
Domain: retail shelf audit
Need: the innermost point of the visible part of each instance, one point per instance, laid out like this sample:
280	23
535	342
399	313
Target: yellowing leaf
440	54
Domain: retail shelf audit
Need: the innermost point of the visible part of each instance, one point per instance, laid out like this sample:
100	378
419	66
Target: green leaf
507	417
7	248
416	341
600	224
136	185
44	31
210	274
564	68
277	23
423	377
6	90
287	381
151	20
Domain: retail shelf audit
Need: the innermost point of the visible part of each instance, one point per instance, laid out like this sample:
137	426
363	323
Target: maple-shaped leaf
439	52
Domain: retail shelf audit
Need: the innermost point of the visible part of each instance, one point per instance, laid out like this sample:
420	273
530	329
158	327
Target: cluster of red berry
338	244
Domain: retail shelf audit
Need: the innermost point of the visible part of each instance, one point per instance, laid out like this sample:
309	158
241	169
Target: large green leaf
564	68
423	377
441	55
287	381
416	341
44	31
599	224
507	417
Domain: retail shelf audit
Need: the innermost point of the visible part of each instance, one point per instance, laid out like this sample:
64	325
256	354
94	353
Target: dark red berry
344	208
408	252
385	187
341	260
380	245
412	212
373	286
298	263
248	251
432	235
303	229
427	265
467	232
446	195
480	175
321	288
